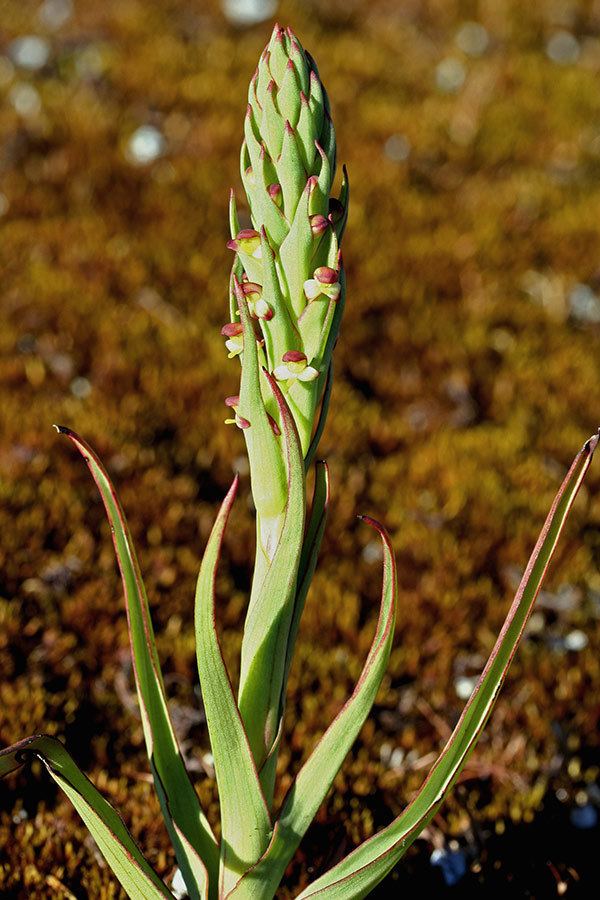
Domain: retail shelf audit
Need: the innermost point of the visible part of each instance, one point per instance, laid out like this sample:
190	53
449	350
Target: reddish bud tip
318	224
246	234
232	329
311	184
251	287
274	426
274	190
272	86
234	400
303	98
293	356
241	422
231	245
288	128
326	275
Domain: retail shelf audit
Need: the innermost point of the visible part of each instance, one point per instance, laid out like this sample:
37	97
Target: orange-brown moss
464	386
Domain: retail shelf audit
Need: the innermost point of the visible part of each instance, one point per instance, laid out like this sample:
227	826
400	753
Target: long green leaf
317	774
104	823
325	400
310	552
270	614
356	875
179	802
245	822
308	561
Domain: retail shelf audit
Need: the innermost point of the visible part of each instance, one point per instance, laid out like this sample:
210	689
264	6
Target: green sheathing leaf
267	467
270	613
325	400
310	552
245	822
178	799
317	774
104	823
356	875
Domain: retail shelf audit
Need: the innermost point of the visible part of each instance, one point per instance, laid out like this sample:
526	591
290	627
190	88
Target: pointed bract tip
288	127
272	86
591	444
62	429
303	99
311	184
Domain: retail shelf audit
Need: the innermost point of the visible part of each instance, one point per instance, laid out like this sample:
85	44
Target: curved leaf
317	774
245	822
104	823
356	875
179	802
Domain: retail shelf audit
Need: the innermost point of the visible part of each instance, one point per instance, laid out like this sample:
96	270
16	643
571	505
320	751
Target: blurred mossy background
466	379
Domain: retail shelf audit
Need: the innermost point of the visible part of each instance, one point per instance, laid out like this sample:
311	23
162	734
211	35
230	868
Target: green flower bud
291	253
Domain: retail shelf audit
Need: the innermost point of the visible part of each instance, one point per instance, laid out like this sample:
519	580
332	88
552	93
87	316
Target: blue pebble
584	816
453	864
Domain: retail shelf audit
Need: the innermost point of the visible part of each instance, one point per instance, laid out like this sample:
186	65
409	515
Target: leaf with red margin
245	821
179	802
104	823
271	608
356	875
316	775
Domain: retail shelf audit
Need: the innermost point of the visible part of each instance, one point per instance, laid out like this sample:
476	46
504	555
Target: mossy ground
466	379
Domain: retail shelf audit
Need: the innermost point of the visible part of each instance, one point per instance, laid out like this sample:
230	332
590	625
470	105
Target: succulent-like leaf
310	552
270	612
356	875
316	775
179	802
104	823
267	467
325	400
245	822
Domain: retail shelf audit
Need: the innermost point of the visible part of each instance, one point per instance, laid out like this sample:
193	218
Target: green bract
287	293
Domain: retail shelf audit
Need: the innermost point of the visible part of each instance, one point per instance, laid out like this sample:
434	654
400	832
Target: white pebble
145	145
464	686
450	75
25	99
178	886
397	148
249	12
563	48
576	640
472	39
584	304
30	52
80	388
54	13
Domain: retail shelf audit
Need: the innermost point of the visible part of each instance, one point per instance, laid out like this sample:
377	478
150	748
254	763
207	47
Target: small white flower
324	284
295	367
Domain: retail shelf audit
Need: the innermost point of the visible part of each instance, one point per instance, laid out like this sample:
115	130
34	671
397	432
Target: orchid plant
287	291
